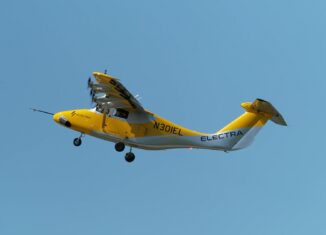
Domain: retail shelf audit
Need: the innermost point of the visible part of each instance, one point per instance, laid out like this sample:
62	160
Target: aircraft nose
56	117
61	119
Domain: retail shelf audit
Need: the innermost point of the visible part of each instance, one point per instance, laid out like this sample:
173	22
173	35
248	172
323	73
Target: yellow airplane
120	118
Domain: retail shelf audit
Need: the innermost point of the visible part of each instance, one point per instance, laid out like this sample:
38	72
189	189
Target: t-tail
241	132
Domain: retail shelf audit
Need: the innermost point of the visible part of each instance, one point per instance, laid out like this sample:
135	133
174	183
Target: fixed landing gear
130	157
78	141
119	147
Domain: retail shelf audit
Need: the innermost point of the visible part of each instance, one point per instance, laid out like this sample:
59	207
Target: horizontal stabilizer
266	109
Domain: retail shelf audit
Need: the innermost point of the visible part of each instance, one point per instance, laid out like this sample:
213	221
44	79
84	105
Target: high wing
115	94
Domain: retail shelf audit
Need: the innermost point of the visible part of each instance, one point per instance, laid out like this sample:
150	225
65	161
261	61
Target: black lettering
239	133
162	127
156	125
203	138
226	135
220	136
215	137
233	133
167	128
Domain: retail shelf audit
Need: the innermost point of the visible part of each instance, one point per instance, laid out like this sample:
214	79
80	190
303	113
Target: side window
121	113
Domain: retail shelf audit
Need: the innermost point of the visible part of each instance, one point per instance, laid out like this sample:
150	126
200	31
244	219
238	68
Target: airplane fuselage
143	130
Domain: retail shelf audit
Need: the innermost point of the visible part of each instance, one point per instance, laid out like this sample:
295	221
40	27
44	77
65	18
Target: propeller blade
89	83
94	98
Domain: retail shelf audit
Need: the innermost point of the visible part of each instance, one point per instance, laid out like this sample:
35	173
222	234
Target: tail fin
247	126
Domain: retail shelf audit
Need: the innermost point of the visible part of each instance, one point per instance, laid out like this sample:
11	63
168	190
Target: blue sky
192	62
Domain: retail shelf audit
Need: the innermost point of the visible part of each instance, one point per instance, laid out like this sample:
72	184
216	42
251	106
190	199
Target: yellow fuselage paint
149	131
246	120
88	121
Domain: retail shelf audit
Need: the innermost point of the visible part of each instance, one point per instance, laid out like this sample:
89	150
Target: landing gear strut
119	147
78	141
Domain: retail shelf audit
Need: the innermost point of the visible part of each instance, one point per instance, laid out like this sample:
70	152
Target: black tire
119	147
130	157
77	142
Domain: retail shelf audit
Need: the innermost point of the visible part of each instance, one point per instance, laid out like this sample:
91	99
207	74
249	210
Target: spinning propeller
92	93
90	85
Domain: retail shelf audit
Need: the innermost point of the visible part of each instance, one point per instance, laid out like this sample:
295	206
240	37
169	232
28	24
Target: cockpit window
121	113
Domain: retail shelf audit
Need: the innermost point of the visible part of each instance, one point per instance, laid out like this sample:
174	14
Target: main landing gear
130	156
119	147
78	141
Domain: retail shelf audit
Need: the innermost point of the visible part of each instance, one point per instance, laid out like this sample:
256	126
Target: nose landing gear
78	141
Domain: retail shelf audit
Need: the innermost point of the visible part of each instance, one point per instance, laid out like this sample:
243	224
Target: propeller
89	83
94	98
